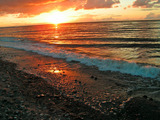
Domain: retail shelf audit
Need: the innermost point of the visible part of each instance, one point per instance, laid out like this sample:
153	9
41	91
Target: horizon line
34	24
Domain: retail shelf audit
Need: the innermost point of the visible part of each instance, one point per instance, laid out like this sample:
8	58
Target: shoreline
26	95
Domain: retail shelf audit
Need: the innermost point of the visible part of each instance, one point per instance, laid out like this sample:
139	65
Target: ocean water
131	47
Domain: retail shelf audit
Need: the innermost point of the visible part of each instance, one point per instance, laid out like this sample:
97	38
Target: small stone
15	117
74	92
38	96
92	76
66	115
42	95
75	81
114	113
17	112
151	99
145	96
10	118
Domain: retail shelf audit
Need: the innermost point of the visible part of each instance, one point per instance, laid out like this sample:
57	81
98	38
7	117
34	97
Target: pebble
75	81
151	99
74	92
92	76
145	96
95	78
41	95
3	80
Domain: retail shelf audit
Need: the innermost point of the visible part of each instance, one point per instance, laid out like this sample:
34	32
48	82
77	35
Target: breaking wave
100	63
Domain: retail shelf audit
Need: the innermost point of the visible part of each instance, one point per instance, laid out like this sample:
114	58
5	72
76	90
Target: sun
57	17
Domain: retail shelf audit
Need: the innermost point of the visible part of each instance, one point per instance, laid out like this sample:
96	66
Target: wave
84	38
113	45
100	63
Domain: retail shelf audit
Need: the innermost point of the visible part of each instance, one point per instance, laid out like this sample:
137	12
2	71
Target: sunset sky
25	12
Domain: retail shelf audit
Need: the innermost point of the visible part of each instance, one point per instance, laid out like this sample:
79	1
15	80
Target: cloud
92	4
152	16
34	7
146	3
142	3
87	18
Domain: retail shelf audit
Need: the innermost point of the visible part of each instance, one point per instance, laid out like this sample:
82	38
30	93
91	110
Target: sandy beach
26	96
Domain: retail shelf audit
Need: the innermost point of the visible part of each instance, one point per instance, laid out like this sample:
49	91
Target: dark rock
145	96
76	81
92	76
74	92
151	99
140	109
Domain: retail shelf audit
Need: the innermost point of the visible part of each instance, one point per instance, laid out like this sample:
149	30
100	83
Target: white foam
102	64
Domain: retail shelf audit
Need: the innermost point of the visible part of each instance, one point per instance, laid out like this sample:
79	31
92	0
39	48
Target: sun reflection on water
54	70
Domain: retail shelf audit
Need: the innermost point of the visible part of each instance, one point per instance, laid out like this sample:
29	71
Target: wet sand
27	96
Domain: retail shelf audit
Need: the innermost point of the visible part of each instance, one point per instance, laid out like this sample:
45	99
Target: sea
122	47
131	47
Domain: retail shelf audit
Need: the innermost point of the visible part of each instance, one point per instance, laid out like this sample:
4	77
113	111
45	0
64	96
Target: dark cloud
142	3
146	3
152	16
92	4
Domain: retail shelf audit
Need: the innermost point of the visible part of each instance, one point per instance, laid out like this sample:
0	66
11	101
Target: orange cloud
34	7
